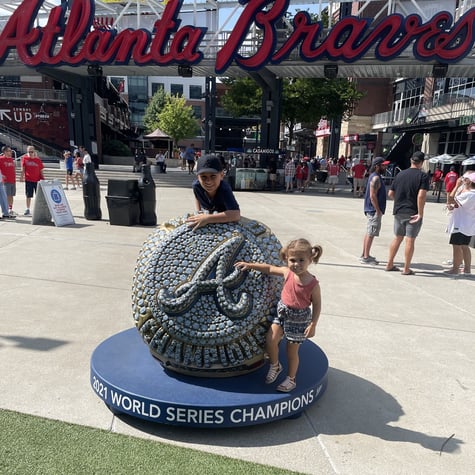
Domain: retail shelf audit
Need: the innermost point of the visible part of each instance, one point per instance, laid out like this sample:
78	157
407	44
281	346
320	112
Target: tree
304	100
243	98
177	120
153	110
307	100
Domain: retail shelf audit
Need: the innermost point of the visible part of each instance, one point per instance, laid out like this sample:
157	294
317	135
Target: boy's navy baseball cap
209	164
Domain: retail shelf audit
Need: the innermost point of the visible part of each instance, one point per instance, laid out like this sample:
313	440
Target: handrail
15	139
23	93
446	106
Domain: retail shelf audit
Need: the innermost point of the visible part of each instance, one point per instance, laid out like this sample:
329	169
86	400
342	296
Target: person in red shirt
7	170
31	174
333	171
450	181
359	171
437	180
299	176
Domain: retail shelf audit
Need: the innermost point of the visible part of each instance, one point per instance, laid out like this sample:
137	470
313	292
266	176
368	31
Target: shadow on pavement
350	405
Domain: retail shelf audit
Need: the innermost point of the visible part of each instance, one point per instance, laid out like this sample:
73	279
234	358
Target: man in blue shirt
215	201
190	158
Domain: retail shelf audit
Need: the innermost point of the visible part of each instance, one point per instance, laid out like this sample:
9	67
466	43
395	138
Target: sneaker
73	188
27	212
369	260
66	188
9	216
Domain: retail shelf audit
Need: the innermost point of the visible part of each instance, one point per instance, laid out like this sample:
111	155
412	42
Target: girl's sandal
287	386
274	371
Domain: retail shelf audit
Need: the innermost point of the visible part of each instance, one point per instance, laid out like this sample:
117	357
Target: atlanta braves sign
68	38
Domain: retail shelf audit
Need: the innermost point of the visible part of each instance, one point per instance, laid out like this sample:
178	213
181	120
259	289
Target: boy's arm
201	219
197	205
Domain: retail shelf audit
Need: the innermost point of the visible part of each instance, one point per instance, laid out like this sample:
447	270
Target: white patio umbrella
469	161
444	158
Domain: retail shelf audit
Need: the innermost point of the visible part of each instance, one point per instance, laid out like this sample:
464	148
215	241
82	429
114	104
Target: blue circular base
130	380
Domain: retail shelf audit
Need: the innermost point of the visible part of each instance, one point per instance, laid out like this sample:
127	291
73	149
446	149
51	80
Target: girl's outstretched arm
262	267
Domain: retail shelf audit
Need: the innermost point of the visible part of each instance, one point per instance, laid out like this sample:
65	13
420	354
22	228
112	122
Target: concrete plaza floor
401	391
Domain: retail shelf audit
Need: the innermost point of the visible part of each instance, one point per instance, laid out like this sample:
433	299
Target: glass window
196	92
176	89
197	111
156	86
408	94
453	143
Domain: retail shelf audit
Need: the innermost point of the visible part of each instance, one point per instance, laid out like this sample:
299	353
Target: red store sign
323	129
351	138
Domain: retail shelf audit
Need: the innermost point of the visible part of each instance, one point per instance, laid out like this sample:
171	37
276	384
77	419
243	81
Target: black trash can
123	202
129	188
123	211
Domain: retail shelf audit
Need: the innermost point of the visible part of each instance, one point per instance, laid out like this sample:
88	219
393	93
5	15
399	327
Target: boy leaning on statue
214	198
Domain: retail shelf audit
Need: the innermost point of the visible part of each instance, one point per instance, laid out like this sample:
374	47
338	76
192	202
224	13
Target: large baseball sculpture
197	313
199	316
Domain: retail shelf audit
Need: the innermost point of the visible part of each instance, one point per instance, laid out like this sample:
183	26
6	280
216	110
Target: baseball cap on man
380	161
418	157
209	164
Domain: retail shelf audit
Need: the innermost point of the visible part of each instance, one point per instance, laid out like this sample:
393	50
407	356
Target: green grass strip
33	445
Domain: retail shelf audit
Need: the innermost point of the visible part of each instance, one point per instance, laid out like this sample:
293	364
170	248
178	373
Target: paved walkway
401	348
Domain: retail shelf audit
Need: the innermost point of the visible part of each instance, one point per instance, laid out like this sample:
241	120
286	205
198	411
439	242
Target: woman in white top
462	224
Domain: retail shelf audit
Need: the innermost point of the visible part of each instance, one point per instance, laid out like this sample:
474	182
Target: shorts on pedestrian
10	189
333	180
69	172
293	321
373	226
288	180
30	188
459	239
402	226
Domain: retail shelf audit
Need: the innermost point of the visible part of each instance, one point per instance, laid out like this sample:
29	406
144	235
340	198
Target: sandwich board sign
51	204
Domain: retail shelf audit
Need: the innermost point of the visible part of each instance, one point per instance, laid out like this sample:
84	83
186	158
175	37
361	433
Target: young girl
294	318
